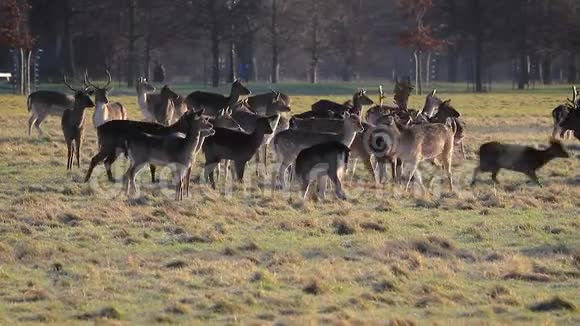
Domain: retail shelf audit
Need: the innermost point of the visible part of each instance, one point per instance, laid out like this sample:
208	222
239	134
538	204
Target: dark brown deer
359	99
560	113
73	122
326	159
168	149
213	103
494	156
572	122
105	111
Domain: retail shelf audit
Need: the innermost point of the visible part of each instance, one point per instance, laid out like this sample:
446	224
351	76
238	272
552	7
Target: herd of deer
316	143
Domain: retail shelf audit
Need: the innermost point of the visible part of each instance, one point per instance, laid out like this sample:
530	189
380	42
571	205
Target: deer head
100	92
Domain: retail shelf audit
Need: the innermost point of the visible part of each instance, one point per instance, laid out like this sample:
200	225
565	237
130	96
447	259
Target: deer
359	99
432	104
494	156
153	106
112	136
236	146
560	113
105	111
433	141
213	103
572	122
42	103
171	149
326	159
288	143
72	123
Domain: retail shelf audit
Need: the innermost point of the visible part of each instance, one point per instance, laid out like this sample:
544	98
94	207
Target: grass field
73	253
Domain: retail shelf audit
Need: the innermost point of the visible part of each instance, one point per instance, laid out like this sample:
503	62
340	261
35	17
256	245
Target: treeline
216	41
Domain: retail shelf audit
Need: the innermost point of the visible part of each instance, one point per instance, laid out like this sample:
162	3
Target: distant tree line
216	41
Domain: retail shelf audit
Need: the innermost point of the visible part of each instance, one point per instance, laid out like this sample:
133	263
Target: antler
381	95
88	82
67	84
110	78
572	101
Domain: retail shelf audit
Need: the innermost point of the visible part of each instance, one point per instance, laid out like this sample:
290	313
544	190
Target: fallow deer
170	149
494	156
326	159
105	111
402	91
560	113
72	123
359	99
213	103
432	141
288	143
41	104
236	146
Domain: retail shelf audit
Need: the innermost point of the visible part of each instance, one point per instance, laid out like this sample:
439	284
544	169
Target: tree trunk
452	62
314	57
28	77
478	62
131	47
215	47
418	73
275	54
232	68
523	76
428	70
547	69
571	68
22	83
68	48
147	58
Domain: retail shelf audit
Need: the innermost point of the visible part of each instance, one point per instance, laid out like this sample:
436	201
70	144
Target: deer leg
209	172
187	181
69	154
447	166
31	121
337	185
534	177
369	165
475	173
78	142
94	161
555	131
152	169
305	187
282	173
494	176
321	185
240	166
266	158
413	170
257	156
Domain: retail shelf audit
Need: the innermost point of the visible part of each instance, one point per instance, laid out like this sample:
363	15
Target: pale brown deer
105	111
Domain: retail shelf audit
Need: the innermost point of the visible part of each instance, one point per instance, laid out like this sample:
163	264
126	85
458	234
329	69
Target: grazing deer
326	159
288	143
169	149
72	123
236	146
105	111
41	104
494	156
433	141
359	99
213	103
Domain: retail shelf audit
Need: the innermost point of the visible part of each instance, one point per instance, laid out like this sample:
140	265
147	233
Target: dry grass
72	252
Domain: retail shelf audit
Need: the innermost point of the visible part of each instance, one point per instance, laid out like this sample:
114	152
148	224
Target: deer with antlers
73	121
105	111
560	113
